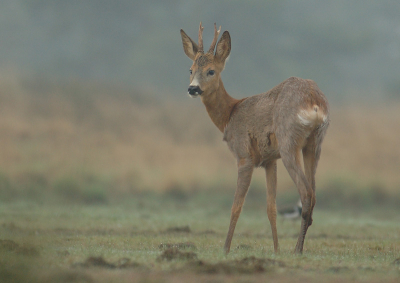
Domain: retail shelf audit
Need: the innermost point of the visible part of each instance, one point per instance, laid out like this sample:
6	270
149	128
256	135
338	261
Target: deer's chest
261	149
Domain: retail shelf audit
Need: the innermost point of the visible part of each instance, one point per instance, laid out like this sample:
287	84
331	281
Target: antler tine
201	39
214	42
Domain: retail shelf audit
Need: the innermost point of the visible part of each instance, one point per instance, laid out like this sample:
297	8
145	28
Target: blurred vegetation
91	107
96	143
349	49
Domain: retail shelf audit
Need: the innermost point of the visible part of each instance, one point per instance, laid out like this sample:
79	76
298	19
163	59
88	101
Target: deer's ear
189	46
223	47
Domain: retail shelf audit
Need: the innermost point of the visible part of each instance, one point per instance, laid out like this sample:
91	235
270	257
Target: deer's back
256	120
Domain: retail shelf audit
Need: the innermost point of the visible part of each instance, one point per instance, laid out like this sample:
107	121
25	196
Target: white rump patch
304	118
312	116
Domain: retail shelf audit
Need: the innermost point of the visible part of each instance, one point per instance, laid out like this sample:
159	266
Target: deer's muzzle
194	90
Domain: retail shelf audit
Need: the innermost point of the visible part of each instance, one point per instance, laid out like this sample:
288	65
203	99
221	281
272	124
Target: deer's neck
219	105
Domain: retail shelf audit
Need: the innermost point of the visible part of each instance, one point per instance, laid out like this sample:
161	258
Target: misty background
350	48
94	105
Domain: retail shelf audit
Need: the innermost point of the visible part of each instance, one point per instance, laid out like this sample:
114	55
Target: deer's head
207	67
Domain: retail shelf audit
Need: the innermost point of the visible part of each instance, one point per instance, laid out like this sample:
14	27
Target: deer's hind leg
310	158
290	154
311	155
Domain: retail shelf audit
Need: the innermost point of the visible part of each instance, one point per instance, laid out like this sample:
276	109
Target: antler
214	42
201	39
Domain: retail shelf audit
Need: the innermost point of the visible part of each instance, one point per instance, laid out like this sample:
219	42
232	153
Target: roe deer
283	122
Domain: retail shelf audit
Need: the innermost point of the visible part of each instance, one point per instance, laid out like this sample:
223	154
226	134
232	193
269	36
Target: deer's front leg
245	171
271	173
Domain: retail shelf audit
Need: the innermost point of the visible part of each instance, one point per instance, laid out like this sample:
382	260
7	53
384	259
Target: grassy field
162	239
100	183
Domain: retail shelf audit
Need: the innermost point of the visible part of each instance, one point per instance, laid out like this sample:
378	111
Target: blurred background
93	104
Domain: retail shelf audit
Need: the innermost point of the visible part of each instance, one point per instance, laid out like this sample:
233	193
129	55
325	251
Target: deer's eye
210	73
190	71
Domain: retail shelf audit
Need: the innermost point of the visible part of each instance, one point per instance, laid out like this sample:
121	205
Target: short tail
312	116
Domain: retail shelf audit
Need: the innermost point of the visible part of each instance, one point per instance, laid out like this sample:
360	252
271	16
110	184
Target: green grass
54	243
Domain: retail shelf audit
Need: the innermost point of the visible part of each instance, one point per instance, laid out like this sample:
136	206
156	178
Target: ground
154	238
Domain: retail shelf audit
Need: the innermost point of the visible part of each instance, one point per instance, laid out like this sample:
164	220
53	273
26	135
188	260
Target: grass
92	243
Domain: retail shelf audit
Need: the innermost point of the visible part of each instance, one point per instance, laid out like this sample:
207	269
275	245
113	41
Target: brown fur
289	120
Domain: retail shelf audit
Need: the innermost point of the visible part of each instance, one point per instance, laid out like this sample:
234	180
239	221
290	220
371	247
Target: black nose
194	90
